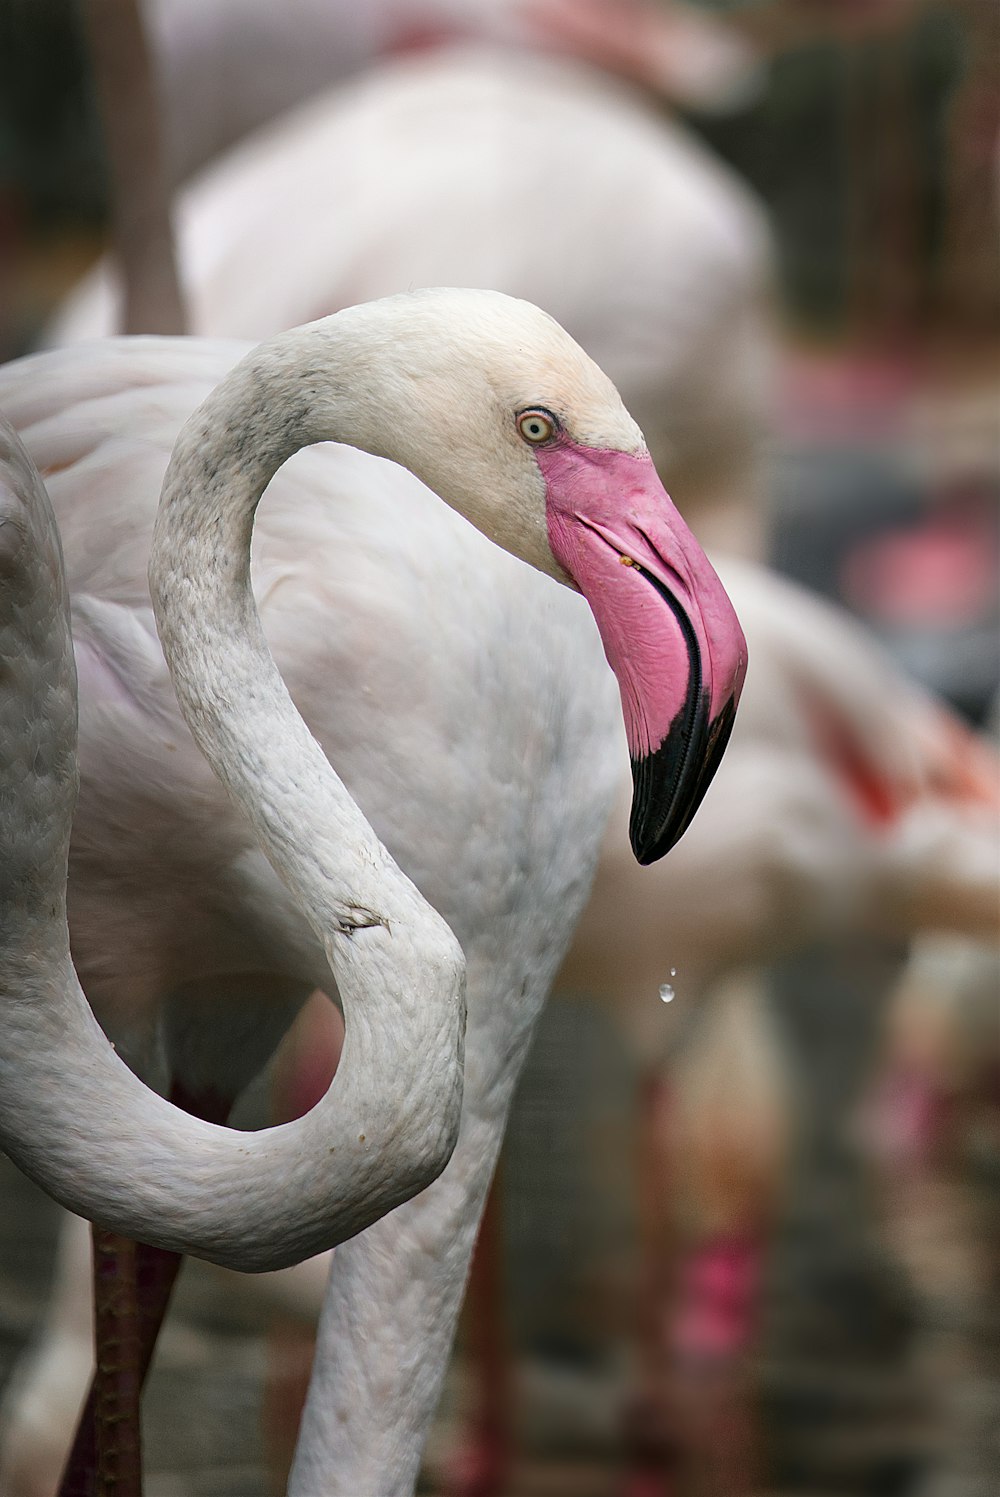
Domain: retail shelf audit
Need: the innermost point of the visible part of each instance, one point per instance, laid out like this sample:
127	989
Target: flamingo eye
537	426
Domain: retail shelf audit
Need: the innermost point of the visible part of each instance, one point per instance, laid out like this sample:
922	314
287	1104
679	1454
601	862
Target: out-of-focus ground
878	1364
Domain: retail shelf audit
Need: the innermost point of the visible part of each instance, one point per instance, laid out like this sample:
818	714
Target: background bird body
803	859
430	172
228	66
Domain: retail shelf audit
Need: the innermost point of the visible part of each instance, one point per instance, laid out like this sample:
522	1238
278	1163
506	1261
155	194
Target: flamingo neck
307	386
72	1115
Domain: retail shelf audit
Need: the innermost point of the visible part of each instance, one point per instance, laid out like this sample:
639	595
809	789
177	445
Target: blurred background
861	1353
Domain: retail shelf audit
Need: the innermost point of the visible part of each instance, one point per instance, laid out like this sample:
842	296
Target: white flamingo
934	1093
850	804
225	67
492	404
940	1038
851	800
719	224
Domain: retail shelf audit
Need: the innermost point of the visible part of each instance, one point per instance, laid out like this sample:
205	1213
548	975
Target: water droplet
666	993
673	972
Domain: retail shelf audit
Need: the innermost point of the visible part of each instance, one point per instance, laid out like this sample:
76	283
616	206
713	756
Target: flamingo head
542	456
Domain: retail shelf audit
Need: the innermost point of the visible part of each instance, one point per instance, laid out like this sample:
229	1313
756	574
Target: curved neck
71	1113
303	387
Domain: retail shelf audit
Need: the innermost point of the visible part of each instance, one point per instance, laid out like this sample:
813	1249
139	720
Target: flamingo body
449	382
335	526
226	67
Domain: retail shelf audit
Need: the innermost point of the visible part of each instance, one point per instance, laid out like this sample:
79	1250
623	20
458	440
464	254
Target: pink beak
669	630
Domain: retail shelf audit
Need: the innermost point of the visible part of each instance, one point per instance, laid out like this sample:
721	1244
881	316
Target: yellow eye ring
536	426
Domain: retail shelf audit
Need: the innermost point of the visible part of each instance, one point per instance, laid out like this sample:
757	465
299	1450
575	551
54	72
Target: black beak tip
651	851
652	837
670	784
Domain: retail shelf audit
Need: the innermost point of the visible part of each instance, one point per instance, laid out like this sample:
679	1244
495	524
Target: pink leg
690	1423
133	1283
651	1452
717	1296
117	1384
711	1336
291	1346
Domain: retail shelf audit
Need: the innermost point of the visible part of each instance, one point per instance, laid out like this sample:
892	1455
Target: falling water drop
666	992
673	972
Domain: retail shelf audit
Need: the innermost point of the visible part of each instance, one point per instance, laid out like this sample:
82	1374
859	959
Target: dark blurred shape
50	150
53	197
875	148
919	565
122	69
